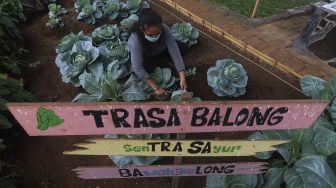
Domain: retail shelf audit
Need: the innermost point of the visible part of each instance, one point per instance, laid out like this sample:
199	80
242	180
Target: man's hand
183	82
161	92
157	90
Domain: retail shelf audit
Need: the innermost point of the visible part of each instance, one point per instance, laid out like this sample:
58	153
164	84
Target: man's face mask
152	33
153	39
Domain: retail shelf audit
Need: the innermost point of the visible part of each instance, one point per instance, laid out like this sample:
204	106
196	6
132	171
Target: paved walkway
274	39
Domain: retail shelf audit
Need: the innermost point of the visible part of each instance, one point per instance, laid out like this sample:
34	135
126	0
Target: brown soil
42	158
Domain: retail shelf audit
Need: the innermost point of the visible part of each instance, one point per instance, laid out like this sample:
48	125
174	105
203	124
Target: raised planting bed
42	158
266	7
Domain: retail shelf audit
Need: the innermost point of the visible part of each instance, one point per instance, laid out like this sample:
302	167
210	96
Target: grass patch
266	7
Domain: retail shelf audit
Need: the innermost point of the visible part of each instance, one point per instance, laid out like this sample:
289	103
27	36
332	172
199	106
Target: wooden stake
186	96
255	8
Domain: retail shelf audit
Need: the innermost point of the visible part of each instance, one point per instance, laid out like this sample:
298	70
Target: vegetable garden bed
42	158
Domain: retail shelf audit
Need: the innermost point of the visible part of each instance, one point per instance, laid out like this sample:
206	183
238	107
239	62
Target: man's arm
173	49
135	49
137	64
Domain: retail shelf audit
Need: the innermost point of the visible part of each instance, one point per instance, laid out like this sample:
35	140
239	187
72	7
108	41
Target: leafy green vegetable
105	33
69	40
89	13
134	90
56	10
100	86
133	6
73	63
112	51
302	166
274	177
325	141
312	86
136	160
163	77
111	9
55	23
79	4
11	91
128	23
185	33
310	172
229	181
47	118
190	72
11	14
227	78
332	111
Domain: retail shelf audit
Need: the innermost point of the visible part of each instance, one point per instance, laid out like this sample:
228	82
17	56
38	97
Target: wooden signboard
168	170
190	148
49	119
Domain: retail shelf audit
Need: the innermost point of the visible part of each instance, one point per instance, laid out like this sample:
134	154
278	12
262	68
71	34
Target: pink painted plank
220	116
170	170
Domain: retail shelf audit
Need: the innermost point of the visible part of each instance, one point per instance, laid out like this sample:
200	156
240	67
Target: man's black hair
147	17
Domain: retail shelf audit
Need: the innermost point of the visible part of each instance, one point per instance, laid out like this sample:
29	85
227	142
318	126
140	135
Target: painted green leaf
274	177
47	118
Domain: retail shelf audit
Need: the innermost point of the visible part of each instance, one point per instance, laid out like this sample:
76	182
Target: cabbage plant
69	40
308	160
112	51
227	78
136	160
111	9
56	10
163	77
317	88
105	33
99	86
79	4
116	53
128	23
55	23
132	6
191	72
185	32
134	90
73	63
102	85
89	13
